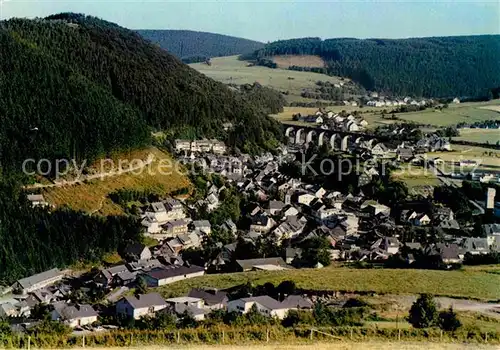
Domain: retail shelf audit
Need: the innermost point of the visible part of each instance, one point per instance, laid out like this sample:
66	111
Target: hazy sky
271	20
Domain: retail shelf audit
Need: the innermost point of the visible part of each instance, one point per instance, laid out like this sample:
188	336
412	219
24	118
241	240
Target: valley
180	188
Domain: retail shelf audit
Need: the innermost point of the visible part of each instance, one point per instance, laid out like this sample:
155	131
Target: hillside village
277	221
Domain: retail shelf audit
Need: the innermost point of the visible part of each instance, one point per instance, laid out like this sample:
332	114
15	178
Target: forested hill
188	44
72	85
465	66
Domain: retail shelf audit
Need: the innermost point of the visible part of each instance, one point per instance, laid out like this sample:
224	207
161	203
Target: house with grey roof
173	273
251	264
73	315
137	251
140	306
262	224
265	305
475	246
38	281
202	226
37	200
275	207
298	302
191	305
213	299
105	277
229	226
8	310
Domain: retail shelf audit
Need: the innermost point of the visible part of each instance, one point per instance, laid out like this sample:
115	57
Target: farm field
285	61
92	196
469	283
455	113
230	70
490	136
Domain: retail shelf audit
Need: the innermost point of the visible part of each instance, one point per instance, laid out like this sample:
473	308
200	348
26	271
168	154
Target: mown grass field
468	283
285	61
230	70
92	196
490	136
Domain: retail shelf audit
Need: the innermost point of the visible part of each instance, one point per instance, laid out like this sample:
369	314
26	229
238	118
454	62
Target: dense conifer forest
463	66
34	240
73	86
189	44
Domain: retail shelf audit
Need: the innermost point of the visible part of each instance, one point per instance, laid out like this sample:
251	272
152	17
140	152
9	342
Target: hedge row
226	335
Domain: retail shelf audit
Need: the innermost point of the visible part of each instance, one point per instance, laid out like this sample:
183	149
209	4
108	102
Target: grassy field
415	176
92	196
468	283
230	70
455	113
491	136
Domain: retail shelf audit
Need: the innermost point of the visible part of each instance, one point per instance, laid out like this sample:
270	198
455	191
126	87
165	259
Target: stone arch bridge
338	140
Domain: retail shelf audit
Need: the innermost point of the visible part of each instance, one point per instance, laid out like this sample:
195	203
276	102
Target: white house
151	225
265	305
73	316
193	306
143	305
38	281
37	200
305	198
379	149
262	224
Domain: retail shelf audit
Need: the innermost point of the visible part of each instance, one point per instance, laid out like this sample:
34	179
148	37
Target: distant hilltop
188	45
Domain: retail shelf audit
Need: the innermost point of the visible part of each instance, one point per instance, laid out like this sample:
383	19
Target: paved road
83	178
117	294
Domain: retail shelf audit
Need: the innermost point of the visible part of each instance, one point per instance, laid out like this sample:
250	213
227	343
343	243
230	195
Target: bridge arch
333	140
321	138
358	140
298	136
310	135
289	131
344	146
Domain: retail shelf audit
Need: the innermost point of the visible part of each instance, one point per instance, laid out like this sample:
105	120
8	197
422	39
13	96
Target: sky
279	19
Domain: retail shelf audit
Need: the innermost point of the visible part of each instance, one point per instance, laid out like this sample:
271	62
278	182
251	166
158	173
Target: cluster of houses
47	289
200	146
289	211
282	209
382	101
201	302
334	121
